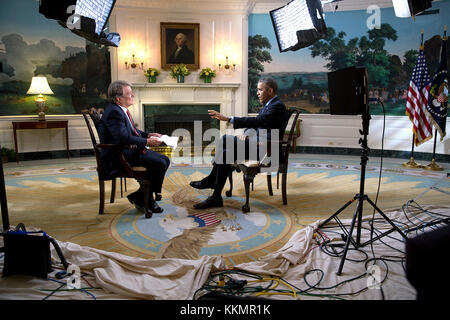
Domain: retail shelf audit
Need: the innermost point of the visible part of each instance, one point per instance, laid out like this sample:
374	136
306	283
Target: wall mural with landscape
389	54
78	71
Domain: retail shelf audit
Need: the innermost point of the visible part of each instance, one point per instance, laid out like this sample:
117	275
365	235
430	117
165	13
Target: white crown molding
189	6
239	6
264	6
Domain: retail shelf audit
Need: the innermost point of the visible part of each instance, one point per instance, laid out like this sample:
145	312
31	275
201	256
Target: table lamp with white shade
39	86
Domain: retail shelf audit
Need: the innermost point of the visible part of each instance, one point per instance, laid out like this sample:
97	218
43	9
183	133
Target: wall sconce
227	66
133	64
39	86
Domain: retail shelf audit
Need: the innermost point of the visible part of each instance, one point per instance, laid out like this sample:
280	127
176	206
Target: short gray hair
182	35
115	89
269	82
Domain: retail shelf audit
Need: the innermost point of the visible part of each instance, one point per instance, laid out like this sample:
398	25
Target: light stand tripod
360	197
3	202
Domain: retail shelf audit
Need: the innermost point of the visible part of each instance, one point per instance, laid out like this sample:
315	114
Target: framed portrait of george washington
180	43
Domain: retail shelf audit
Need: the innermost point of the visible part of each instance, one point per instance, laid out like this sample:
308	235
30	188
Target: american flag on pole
419	89
437	104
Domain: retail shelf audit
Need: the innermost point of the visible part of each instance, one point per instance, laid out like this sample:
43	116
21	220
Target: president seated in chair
117	127
259	129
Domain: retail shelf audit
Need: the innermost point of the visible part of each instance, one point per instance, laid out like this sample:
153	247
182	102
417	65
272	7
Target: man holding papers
117	127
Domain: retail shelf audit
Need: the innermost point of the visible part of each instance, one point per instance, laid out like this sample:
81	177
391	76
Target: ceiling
249	6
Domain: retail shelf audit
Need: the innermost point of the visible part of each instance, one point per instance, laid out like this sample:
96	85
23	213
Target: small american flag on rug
206	219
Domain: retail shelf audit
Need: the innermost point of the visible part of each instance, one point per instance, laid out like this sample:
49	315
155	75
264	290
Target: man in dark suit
273	116
117	127
182	53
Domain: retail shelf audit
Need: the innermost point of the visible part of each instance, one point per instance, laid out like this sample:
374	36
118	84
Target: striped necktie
132	123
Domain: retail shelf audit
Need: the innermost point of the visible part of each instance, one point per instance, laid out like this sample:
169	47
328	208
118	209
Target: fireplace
165	119
165	107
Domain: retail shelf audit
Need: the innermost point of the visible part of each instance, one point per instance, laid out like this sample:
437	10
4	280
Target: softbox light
408	8
298	24
86	18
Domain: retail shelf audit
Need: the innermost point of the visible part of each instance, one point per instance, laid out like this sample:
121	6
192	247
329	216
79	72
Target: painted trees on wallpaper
367	51
79	77
389	75
256	57
91	75
432	51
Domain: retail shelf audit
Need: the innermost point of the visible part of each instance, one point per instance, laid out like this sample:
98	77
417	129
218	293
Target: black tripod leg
337	212
387	219
349	238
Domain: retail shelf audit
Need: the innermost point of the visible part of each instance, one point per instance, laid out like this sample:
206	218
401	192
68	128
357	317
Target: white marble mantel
223	94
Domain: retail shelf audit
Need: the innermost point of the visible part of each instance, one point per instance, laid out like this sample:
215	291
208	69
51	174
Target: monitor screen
99	10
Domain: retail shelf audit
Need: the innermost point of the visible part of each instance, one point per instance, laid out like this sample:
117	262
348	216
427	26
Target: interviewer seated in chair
117	127
271	117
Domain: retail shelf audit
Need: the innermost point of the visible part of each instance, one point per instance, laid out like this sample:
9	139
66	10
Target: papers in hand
170	141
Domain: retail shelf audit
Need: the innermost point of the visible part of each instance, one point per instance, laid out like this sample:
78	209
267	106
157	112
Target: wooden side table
32	125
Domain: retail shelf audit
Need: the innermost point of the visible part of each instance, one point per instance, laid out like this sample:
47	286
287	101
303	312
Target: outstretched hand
216	115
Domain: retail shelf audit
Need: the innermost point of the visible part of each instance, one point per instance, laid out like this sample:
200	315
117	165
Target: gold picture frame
180	43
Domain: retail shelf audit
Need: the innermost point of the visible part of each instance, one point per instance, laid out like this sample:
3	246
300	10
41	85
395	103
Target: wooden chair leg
283	187
278	180
229	193
101	185
269	184
247	181
113	190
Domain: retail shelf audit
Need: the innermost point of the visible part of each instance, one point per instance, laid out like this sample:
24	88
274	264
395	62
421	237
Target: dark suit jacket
185	56
115	128
272	116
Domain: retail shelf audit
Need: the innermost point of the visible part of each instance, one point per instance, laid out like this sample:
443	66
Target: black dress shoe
132	197
139	204
211	202
153	207
202	184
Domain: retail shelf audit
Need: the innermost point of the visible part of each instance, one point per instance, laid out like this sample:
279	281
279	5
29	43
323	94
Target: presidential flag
437	104
417	100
